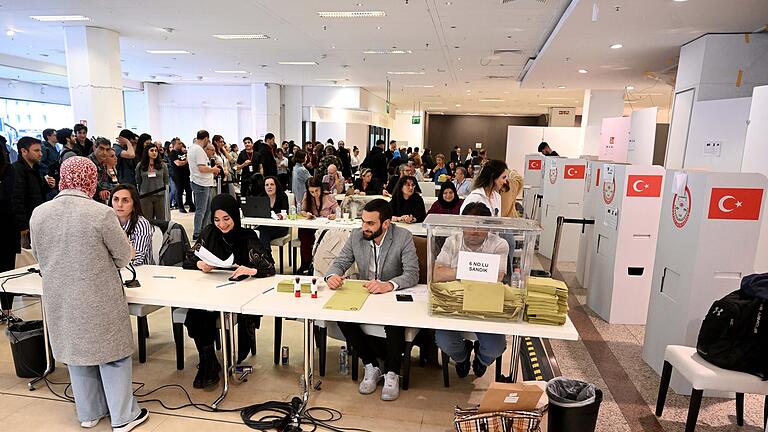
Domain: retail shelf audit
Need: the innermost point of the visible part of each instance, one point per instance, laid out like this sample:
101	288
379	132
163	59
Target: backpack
734	335
175	243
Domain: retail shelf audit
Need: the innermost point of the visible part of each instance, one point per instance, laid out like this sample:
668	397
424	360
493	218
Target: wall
21	90
523	140
403	130
445	131
756	160
660	143
724	121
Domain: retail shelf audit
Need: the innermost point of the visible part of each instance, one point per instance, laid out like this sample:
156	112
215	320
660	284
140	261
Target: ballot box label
574	172
735	203
534	164
681	208
644	186
609	190
553	174
478	266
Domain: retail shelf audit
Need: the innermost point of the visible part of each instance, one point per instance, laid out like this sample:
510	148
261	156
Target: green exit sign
415	119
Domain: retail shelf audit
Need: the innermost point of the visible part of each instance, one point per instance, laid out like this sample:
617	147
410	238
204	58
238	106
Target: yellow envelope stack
546	301
448	299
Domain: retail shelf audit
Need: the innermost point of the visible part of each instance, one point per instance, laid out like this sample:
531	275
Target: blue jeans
172	193
452	343
104	390
202	196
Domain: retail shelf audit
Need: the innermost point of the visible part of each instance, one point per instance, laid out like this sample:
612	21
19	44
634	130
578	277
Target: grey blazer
399	262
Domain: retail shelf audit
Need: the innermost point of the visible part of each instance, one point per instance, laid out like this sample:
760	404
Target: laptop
256	207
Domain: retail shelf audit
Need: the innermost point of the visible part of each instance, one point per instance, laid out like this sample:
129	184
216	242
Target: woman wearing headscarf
83	299
448	202
225	237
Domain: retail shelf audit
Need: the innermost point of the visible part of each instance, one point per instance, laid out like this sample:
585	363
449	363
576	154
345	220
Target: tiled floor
628	384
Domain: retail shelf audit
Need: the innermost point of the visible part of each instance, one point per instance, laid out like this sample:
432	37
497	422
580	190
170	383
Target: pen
268	290
225	284
163	277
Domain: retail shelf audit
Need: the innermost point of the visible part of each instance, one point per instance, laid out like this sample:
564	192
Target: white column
95	79
274	108
598	104
258	111
292	113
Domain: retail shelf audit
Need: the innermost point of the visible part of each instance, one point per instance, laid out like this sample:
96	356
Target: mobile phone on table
404	297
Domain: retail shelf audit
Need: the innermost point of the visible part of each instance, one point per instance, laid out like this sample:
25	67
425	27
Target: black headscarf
226	243
443	203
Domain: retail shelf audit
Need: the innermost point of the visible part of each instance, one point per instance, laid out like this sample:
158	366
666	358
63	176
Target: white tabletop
324	223
384	309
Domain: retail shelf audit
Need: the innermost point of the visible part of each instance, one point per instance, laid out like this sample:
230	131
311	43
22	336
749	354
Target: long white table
324	223
428	200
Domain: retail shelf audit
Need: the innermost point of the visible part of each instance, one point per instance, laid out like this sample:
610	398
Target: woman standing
486	186
225	161
10	240
509	192
87	290
366	184
354	160
300	177
317	202
407	205
151	179
278	201
225	237
125	201
448	202
282	166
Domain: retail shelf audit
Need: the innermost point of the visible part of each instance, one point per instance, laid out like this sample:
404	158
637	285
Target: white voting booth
708	235
563	190
592	193
534	166
627	207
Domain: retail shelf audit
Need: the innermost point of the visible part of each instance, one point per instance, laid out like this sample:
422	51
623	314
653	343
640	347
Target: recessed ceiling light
240	36
299	63
583	71
492	100
458	105
551	104
561	87
459	58
56	18
679	1
359	4
461	69
387	51
333	47
231	71
448	3
406	73
629	87
378	27
168	52
617	46
418	86
352	14
332	79
10	32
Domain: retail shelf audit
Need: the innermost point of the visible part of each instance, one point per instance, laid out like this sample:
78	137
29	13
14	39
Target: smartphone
239	278
404	297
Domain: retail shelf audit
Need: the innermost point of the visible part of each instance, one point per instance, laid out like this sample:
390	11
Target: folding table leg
226	352
49	362
514	361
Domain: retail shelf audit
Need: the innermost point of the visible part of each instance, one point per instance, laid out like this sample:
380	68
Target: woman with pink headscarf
83	299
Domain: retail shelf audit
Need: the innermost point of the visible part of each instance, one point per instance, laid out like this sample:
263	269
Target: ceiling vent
512	1
501	77
507	51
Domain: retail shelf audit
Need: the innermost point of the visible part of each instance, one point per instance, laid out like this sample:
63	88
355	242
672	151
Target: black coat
10	241
346	162
376	160
413	206
29	192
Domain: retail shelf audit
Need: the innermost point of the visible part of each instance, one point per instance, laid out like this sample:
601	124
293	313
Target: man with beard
386	259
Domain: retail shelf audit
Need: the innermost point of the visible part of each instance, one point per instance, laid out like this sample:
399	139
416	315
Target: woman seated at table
317	202
125	201
278	201
407	205
366	184
448	201
225	237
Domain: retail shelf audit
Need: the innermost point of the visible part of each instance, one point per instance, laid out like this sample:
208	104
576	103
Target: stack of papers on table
546	301
464	299
350	297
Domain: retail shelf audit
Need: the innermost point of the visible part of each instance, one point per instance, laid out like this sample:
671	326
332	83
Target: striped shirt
141	239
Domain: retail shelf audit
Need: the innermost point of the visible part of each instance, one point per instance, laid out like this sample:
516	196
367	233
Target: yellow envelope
483	297
286	286
350	297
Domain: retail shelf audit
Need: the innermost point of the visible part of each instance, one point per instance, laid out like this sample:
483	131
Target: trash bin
573	405
27	348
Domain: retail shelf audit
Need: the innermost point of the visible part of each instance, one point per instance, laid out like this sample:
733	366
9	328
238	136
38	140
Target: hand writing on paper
378	287
335	282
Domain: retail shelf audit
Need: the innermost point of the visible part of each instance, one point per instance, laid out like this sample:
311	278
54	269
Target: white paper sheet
679	182
212	260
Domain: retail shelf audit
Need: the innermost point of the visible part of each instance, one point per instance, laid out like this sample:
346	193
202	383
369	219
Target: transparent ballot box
477	266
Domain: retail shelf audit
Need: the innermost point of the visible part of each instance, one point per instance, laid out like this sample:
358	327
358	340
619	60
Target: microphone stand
133	282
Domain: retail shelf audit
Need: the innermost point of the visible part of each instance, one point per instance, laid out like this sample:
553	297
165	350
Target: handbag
469	420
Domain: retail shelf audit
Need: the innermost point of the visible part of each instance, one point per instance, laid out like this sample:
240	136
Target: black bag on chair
734	334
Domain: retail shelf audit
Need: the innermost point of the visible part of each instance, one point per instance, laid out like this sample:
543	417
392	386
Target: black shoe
477	367
143	416
182	210
192	209
208	369
462	368
246	339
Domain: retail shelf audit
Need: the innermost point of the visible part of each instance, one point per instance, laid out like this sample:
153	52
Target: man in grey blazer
386	258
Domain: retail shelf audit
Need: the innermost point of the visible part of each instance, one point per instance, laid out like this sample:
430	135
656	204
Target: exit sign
415	119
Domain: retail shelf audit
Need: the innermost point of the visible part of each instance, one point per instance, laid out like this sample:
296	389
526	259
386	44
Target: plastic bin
573	405
27	348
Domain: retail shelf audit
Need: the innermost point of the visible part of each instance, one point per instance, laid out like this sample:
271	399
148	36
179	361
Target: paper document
212	260
480	297
350	297
286	286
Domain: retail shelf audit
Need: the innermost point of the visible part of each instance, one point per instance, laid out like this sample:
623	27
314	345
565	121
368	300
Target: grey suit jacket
399	262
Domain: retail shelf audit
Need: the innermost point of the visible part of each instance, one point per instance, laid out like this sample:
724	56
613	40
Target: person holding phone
225	237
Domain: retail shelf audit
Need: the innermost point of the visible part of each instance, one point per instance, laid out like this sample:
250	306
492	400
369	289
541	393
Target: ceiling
451	42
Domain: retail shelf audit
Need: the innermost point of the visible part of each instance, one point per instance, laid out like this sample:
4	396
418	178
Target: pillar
274	110
95	79
598	104
292	113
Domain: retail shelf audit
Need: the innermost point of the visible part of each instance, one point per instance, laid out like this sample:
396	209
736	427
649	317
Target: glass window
24	118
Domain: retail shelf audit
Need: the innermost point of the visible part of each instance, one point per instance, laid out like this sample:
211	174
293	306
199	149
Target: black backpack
734	334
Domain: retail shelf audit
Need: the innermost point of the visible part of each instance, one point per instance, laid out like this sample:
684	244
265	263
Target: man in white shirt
201	175
462	183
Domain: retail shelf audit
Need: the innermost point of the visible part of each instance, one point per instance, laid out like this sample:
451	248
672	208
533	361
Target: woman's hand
280	216
204	267
243	270
386	193
361	193
332	216
307	215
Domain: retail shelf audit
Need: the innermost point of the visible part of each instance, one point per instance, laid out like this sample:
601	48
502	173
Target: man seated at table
333	182
386	259
488	346
406	169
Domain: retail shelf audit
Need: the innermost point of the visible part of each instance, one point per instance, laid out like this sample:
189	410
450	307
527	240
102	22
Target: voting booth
563	190
707	240
592	196
478	266
623	244
532	175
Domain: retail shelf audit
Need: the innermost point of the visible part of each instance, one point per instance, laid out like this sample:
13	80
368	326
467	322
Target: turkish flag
571	172
735	203
534	164
644	186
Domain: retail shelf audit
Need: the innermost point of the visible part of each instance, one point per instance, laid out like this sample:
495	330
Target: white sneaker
370	380
91	423
143	416
391	389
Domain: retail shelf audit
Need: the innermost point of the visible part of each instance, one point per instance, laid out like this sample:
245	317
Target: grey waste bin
573	405
28	348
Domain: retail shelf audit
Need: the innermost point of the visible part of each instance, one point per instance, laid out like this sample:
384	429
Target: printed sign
574	172
609	190
478	266
681	208
534	164
611	219
644	186
553	173
735	203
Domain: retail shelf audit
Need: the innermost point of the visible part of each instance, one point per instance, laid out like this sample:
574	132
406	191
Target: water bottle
292	212
343	361
515	281
338	213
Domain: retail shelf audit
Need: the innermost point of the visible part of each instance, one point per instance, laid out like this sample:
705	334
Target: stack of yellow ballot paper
476	300
546	301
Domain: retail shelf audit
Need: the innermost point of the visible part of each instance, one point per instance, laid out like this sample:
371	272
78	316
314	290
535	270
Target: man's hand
216	170
378	287
51	181
122	141
246	163
204	267
335	282
104	195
